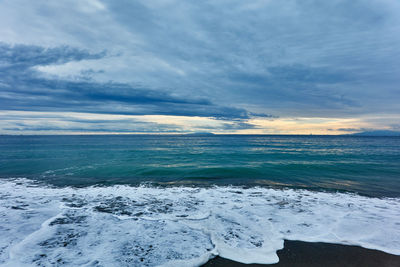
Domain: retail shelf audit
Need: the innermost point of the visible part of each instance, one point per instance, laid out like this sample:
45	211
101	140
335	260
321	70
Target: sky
220	66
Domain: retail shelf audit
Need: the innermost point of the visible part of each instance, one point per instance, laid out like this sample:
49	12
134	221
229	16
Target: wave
149	226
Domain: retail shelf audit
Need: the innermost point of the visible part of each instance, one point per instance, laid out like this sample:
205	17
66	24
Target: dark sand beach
307	254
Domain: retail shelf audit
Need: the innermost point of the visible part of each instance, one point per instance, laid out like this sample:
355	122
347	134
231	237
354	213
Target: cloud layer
231	61
23	88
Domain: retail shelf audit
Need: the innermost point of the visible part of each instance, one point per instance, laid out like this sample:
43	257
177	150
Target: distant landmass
378	133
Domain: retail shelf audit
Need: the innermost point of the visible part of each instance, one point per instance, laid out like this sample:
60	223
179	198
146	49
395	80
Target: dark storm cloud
23	88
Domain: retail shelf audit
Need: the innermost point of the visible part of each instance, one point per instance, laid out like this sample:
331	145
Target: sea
180	200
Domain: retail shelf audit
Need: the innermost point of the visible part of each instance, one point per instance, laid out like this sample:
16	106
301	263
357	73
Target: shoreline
310	254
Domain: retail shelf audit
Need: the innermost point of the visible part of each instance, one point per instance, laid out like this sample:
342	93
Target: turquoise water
182	200
366	165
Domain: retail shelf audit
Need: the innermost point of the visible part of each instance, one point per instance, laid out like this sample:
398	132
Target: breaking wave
150	226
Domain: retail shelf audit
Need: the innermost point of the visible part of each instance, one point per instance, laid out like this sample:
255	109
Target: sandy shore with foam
181	226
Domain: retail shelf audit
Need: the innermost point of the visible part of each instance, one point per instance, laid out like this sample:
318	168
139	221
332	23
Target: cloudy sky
221	66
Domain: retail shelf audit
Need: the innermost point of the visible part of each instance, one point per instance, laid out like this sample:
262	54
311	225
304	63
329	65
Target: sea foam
181	226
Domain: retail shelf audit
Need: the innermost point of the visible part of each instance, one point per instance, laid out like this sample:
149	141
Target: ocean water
153	200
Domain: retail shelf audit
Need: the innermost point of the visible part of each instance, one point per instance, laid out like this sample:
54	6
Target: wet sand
306	254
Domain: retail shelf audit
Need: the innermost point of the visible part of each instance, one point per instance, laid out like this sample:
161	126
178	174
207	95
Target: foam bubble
147	226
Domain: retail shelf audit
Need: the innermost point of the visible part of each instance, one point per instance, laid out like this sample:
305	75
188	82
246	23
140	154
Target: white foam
147	226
